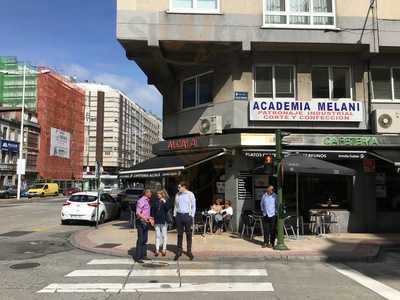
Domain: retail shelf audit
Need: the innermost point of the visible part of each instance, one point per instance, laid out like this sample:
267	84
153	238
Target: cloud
76	71
143	94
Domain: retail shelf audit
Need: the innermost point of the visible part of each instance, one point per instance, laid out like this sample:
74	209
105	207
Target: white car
83	206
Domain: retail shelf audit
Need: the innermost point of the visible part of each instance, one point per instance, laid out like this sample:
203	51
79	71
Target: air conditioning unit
386	121
210	125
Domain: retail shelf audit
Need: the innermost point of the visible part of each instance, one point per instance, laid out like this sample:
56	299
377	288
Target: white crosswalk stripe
237	280
168	272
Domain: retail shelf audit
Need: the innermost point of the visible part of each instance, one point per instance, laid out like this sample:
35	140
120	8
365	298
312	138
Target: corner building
232	72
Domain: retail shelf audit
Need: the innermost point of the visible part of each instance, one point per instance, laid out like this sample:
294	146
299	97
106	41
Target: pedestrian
160	214
143	221
269	208
184	212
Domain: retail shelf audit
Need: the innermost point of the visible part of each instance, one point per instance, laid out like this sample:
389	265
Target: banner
307	111
60	143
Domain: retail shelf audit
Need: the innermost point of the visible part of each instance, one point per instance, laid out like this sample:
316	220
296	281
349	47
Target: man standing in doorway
184	211
142	224
269	206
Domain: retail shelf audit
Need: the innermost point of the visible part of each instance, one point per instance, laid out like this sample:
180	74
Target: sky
76	38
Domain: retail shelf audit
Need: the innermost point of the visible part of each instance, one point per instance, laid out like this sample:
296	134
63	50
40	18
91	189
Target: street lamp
21	162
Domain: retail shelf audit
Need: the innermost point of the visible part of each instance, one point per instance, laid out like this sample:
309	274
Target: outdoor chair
288	227
329	221
228	224
198	223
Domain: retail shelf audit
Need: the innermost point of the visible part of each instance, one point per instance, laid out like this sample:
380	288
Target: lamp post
21	162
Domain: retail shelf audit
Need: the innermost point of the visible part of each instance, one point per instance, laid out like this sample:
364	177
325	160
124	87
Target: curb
81	241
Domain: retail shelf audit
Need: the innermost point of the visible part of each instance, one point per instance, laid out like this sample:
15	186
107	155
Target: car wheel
6	196
42	195
102	218
64	222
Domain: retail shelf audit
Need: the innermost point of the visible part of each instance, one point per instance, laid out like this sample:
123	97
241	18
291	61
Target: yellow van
43	190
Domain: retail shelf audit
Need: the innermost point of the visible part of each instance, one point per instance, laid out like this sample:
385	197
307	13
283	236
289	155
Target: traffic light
269	165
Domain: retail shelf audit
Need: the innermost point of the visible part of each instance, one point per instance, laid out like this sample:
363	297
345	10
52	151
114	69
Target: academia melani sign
306	111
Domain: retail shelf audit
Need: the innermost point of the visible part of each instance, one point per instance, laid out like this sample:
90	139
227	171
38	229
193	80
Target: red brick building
60	110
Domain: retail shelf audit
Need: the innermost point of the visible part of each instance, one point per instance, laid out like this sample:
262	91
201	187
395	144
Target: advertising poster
60	143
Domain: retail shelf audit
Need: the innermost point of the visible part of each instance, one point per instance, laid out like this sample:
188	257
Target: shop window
329	82
274	82
197	90
299	13
194	6
385	84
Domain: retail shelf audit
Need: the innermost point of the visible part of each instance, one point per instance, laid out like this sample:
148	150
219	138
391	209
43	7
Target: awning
304	165
390	156
169	165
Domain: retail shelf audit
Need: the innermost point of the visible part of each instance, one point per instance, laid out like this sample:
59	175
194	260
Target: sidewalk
116	238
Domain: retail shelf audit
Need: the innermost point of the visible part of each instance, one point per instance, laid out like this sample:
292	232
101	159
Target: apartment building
232	72
118	133
10	143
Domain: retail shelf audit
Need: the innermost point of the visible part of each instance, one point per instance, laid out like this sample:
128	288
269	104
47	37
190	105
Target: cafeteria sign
306	111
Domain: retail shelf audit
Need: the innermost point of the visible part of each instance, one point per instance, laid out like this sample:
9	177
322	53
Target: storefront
223	166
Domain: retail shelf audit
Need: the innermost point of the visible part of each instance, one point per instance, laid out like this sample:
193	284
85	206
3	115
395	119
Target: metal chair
228	224
257	221
289	227
330	220
248	222
198	223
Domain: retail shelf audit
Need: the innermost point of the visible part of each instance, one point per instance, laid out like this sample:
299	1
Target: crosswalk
134	278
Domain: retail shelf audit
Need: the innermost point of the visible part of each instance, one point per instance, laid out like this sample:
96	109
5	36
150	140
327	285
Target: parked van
43	190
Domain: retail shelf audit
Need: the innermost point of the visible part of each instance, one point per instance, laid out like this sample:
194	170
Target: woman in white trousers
160	213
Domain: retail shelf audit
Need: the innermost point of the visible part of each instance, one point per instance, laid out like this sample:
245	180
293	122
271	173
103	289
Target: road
33	235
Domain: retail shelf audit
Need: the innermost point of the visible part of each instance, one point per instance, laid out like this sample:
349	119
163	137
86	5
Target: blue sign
9	146
242	96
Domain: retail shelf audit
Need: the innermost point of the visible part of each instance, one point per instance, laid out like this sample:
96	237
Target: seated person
216	212
216	208
227	213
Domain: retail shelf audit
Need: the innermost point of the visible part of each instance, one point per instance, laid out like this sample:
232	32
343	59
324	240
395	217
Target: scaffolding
11	84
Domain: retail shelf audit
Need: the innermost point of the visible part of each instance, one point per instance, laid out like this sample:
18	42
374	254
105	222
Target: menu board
245	187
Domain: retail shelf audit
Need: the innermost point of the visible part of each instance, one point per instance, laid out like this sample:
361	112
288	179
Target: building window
299	13
197	90
194	6
330	82
274	82
385	84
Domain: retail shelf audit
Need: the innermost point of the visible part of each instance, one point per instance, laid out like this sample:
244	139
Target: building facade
10	128
118	133
53	124
325	71
60	110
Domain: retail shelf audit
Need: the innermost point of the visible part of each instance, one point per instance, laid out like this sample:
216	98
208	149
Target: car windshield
134	192
37	186
82	198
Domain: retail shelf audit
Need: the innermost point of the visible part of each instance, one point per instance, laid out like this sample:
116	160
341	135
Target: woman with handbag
160	213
